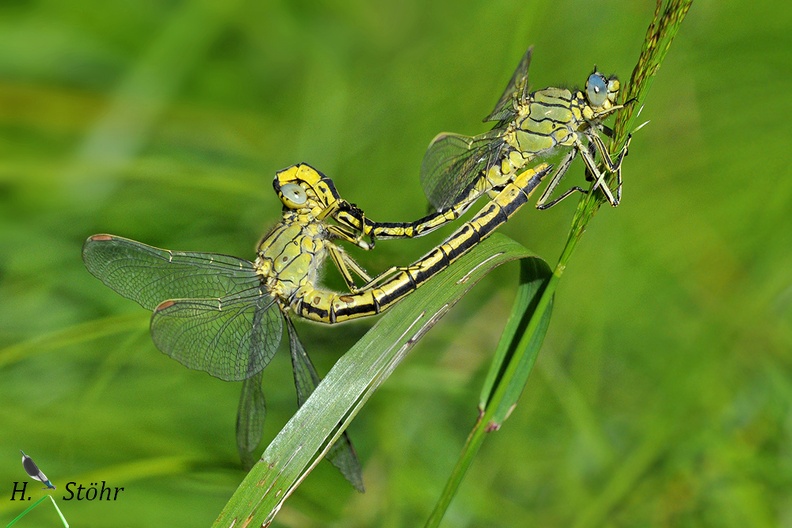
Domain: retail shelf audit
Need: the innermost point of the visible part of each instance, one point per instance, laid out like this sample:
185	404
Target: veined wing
516	91
232	338
251	413
221	321
453	162
150	275
306	379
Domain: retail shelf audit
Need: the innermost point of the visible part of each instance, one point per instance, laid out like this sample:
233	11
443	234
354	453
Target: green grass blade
514	359
342	454
534	274
306	437
60	513
27	510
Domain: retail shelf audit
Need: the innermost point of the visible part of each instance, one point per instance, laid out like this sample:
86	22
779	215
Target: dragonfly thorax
291	255
548	120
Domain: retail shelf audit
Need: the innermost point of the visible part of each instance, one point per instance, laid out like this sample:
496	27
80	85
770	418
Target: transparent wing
516	91
453	161
342	455
231	338
150	275
251	414
306	379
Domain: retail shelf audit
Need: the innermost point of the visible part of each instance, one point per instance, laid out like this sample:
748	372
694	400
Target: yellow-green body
543	122
552	118
458	169
290	256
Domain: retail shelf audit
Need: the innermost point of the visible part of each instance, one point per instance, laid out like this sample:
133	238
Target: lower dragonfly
224	315
300	293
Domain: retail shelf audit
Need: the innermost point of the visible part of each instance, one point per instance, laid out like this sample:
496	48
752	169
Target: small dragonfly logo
35	473
33	470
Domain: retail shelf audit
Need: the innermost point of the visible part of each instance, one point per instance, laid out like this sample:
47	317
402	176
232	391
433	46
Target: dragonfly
225	315
35	473
530	126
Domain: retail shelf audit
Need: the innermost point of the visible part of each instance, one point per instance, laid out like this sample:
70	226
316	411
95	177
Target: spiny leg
349	231
382	277
351	235
542	203
591	167
611	166
346	266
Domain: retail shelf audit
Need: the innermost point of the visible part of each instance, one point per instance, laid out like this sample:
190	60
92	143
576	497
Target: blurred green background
662	395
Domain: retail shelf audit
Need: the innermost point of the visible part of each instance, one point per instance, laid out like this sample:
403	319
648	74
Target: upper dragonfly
530	126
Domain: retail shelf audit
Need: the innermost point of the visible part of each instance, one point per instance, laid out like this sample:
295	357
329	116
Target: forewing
452	162
516	91
231	338
150	275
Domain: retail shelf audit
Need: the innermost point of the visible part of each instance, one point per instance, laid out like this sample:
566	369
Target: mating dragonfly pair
225	315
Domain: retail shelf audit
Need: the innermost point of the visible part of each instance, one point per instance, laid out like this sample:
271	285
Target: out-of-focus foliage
662	395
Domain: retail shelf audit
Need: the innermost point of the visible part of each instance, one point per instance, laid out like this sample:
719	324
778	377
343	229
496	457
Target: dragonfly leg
591	167
600	147
382	277
612	166
352	221
352	225
542	203
350	235
599	116
346	266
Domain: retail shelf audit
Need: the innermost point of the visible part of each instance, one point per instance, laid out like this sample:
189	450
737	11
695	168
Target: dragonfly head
602	92
301	186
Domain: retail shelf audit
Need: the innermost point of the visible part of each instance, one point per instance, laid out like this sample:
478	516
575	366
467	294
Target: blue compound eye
597	89
293	195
